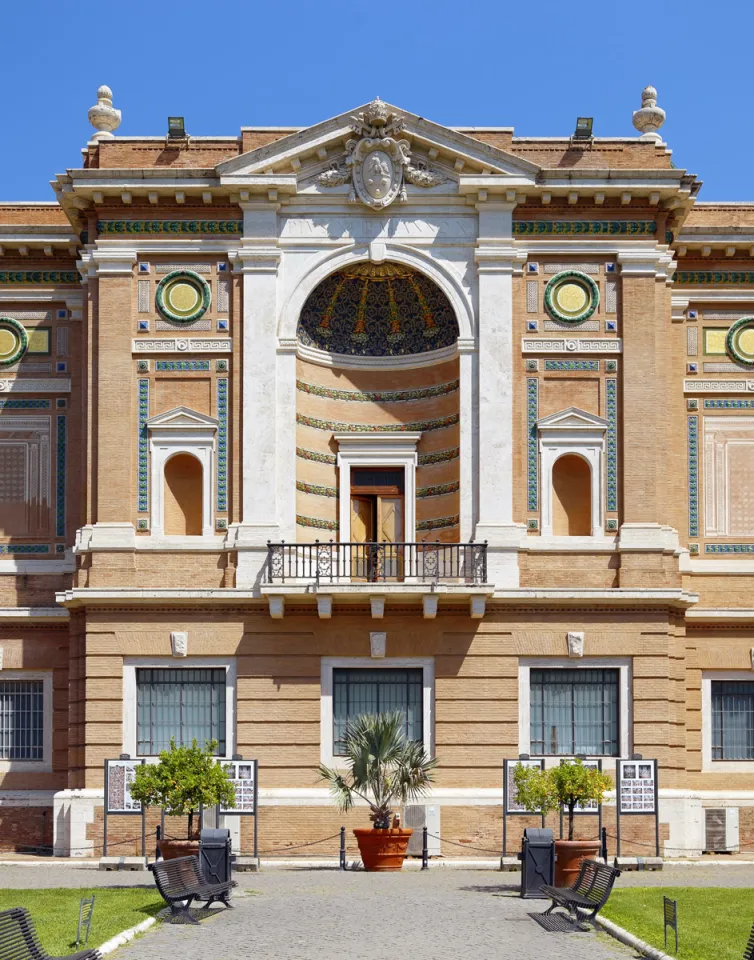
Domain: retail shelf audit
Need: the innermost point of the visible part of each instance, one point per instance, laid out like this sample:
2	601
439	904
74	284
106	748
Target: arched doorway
183	492
571	497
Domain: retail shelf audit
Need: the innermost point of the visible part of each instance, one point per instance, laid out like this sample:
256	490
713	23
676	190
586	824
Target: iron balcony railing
376	562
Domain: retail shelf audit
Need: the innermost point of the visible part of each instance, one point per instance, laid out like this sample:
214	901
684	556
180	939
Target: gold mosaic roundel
571	297
183	296
14	341
739	343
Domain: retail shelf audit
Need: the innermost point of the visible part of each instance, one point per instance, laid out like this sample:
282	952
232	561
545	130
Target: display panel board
119	777
590	806
243	775
638	786
512	805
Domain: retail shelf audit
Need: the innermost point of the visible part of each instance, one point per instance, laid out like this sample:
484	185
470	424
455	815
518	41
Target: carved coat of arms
377	164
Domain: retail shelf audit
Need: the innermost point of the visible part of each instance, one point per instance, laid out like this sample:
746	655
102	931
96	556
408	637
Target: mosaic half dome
377	310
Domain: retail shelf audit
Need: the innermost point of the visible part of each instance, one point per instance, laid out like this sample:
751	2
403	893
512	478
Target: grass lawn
713	922
56	913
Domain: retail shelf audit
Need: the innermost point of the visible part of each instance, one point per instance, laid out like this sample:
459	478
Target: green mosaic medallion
183	296
571	297
739	342
14	341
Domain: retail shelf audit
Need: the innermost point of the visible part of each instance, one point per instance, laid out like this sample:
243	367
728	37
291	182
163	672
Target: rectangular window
574	711
185	703
21	720
377	691
732	720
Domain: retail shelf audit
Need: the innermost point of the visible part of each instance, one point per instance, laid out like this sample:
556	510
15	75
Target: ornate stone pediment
181	418
572	419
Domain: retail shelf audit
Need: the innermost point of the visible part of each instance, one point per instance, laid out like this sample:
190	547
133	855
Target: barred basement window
381	690
732	720
574	711
21	720
185	703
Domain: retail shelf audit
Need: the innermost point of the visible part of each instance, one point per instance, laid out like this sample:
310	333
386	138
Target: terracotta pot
170	849
383	850
568	857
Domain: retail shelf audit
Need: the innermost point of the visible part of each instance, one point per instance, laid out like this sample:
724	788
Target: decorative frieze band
170	227
611	409
383	396
36	277
183	345
182	366
532	454
570	345
572	365
143	470
318	489
24	404
316	522
335	426
60	476
729	548
718	386
438	490
63	385
713	277
693	471
727	404
172	267
637	228
438	523
315	456
15	548
560	267
222	445
424	459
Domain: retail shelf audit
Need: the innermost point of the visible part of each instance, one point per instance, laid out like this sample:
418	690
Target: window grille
732	720
376	691
186	704
574	712
21	720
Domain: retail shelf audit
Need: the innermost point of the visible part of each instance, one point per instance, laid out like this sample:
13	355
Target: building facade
376	414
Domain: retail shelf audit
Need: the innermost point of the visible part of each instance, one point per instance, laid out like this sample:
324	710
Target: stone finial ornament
103	116
650	118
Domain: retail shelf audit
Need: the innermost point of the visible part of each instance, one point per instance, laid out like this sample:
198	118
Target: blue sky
535	67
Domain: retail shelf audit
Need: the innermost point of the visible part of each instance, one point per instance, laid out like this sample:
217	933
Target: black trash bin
537	862
214	855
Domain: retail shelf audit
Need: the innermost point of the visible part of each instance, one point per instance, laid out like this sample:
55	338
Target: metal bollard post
157	845
342	848
604	844
425	850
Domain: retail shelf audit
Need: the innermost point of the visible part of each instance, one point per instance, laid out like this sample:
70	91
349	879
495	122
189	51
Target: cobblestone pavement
320	915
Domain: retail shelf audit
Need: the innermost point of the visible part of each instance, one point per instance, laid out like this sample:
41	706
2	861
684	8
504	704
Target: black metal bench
749	951
19	940
588	894
180	882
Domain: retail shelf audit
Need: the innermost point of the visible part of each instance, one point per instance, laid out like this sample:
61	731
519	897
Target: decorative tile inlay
145	301
38	276
221	366
729	548
181	365
61	385
162	227
222	444
385	396
13	548
692	341
223	296
30	314
437	523
316	522
570	345
718	386
572	364
315	456
727	404
24	404
317	489
142	523
693	468
142	366
611	409
532	366
438	489
694	548
142	417
532	407
183	345
194	326
611	366
183	296
335	426
639	228
583	267
713	277
61	341
60	478
611	296
439	456
692	404
221	523
571	297
588	326
171	267
723	366
532	296
532	523
611	524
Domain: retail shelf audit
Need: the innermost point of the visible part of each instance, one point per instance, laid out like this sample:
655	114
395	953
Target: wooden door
390	532
362	532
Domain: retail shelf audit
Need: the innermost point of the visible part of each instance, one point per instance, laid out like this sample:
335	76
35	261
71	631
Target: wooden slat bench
19	940
180	882
588	894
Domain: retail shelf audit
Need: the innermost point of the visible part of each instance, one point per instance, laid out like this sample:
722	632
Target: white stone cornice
679	304
644	262
343	360
705	385
573	345
50	294
25	614
12	385
114	261
182	345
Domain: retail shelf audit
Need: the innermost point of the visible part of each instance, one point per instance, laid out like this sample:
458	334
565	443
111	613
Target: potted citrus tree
385	770
184	779
567	785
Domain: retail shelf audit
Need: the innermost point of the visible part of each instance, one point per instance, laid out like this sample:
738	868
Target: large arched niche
377	310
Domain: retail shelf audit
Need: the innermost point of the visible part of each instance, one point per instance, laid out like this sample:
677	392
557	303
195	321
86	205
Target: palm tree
384	768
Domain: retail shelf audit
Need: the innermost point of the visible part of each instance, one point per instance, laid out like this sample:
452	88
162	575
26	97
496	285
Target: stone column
496	257
469	436
258	259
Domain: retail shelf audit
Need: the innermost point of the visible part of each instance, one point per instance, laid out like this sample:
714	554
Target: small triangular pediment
303	155
181	418
572	418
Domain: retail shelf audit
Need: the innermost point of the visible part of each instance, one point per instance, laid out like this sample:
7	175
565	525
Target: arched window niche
572	450
181	447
